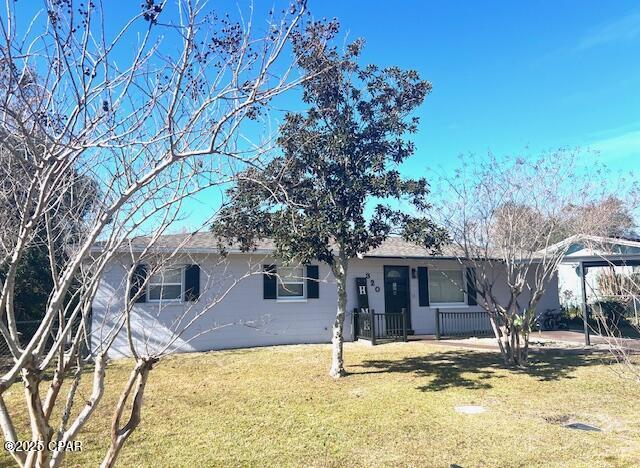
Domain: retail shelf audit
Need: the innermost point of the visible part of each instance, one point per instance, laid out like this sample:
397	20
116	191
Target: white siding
569	282
423	319
246	319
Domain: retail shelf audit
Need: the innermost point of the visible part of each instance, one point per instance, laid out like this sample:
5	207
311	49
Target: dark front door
396	292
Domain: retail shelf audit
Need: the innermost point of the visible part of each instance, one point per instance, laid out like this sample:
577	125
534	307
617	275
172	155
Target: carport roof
600	250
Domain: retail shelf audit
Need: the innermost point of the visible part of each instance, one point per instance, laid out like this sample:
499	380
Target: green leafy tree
337	156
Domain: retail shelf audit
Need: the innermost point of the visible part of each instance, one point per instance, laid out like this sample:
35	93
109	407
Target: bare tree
151	337
613	300
153	111
608	217
509	219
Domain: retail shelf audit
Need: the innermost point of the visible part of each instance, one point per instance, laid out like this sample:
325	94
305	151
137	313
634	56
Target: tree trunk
40	429
515	347
85	413
337	339
497	333
504	336
119	435
9	432
524	352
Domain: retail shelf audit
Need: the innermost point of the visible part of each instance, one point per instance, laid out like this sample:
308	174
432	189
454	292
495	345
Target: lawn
277	407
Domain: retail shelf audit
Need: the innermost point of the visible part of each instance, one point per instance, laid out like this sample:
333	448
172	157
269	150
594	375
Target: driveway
547	339
570	336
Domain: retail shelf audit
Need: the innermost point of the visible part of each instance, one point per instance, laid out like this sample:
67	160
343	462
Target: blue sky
508	76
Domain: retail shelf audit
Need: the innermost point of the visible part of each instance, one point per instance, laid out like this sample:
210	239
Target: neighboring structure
296	306
596	255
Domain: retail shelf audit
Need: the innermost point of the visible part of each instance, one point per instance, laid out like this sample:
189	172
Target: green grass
277	407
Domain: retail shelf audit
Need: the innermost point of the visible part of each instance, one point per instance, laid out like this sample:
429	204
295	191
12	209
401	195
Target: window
166	285
291	283
446	287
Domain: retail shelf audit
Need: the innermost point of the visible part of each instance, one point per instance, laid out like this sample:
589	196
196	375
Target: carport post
583	291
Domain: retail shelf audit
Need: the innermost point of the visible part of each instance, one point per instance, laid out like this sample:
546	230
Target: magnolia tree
509	219
341	153
107	127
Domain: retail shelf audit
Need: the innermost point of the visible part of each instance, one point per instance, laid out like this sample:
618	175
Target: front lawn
277	407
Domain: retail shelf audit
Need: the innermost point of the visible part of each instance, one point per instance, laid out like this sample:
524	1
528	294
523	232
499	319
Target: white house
296	306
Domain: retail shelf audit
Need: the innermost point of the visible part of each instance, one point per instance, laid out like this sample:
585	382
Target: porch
384	327
397	298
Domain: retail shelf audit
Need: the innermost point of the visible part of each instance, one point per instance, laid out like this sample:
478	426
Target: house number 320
372	283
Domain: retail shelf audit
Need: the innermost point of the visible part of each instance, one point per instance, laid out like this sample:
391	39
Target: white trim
577	238
575	260
182	287
449	305
301	280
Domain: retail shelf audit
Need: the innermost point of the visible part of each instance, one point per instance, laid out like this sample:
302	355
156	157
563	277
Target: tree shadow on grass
473	369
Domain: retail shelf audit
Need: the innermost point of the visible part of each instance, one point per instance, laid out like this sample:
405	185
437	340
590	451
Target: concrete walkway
470	343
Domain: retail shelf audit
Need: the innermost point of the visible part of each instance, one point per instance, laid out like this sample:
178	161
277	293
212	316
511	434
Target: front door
396	291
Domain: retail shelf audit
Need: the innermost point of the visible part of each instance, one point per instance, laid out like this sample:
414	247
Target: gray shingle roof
393	247
204	241
398	247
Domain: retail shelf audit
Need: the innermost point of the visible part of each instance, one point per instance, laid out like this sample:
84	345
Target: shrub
611	311
572	312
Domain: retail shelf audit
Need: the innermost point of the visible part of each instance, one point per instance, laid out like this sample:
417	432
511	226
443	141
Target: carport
590	252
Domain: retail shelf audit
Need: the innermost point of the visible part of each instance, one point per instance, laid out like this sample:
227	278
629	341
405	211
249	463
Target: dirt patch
560	419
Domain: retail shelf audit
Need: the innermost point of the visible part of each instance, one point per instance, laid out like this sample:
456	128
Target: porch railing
380	327
462	324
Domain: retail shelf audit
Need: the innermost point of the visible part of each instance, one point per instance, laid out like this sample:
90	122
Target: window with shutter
166	285
446	287
290	283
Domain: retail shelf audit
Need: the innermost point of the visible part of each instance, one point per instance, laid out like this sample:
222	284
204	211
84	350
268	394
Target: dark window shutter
269	282
313	286
471	287
137	281
191	283
423	286
363	295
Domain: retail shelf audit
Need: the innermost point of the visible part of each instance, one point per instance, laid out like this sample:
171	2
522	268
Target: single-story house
271	303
